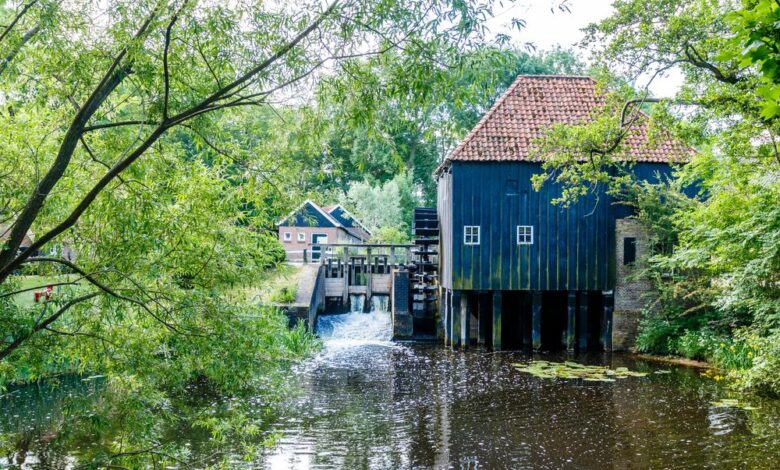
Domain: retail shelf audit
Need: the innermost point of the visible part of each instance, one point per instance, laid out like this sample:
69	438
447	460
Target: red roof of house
508	131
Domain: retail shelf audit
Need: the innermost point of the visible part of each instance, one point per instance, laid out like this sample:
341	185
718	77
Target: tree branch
102	287
220	94
110	125
694	58
8	260
24	40
166	72
40	326
7	30
111	79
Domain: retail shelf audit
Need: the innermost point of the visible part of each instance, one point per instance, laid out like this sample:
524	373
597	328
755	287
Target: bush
283	295
655	333
695	344
763	376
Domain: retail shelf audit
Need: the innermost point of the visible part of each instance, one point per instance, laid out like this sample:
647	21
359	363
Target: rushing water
368	402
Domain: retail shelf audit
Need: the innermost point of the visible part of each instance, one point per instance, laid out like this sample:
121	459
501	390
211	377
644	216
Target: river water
368	402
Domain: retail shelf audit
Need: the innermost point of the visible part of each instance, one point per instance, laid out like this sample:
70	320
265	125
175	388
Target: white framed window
301	236
471	234
287	236
525	234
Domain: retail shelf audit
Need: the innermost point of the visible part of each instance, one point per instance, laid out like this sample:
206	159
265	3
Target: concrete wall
631	295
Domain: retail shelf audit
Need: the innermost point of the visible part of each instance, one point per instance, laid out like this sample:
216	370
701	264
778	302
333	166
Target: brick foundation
631	295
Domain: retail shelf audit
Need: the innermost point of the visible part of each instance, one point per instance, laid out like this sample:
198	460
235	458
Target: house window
629	250
525	234
471	234
287	236
512	187
301	236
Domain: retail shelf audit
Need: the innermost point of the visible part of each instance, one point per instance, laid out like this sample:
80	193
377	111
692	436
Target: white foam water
357	328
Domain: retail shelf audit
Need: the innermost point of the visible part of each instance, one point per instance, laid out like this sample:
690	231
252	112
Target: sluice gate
363	270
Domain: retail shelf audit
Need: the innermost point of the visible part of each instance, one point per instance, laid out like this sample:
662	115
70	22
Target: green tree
725	262
153	137
409	122
385	209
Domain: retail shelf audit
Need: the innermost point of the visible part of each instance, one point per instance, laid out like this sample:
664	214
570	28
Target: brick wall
630	293
294	248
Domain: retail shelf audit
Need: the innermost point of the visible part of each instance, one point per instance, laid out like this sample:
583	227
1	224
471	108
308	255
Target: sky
546	29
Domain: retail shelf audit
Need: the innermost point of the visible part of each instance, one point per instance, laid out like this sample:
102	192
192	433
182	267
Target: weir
357	326
350	270
398	278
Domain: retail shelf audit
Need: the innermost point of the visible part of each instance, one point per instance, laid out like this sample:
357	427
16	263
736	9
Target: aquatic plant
573	370
732	403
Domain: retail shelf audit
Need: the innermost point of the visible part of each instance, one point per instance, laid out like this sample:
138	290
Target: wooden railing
360	268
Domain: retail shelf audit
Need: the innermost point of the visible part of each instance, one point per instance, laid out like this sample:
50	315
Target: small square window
471	234
287	236
301	236
525	234
629	250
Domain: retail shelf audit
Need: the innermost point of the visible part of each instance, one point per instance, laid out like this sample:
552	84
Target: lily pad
732	403
574	370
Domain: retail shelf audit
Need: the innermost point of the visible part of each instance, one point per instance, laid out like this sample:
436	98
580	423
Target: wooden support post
536	319
526	321
369	266
455	311
465	322
606	321
497	320
345	260
445	315
571	320
583	321
305	258
449	318
484	316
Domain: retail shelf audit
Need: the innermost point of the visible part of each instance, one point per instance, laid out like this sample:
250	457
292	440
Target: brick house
309	224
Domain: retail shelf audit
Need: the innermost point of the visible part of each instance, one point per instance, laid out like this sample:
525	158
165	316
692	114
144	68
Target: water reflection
367	402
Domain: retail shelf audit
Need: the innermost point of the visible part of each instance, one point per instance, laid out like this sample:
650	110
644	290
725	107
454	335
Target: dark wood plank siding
573	247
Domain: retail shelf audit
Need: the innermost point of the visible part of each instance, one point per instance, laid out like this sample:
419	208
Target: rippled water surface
367	402
371	403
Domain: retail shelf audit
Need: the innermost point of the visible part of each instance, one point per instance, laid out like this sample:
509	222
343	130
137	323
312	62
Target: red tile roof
508	131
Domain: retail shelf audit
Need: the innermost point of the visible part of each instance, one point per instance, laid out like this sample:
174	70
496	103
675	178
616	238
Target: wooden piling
369	276
606	321
455	310
483	317
583	321
443	314
571	320
345	261
497	300
536	319
465	322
